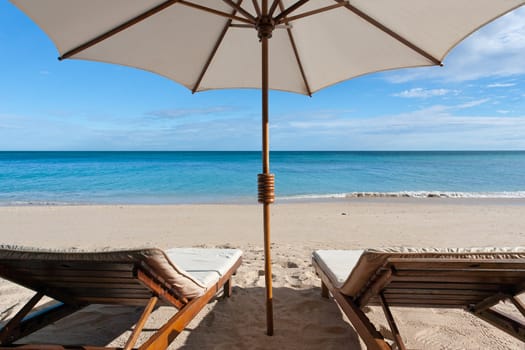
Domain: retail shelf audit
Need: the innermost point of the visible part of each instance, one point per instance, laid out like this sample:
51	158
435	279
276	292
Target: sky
475	102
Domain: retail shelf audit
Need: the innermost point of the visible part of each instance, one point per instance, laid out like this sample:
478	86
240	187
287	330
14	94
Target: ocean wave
314	196
410	194
36	203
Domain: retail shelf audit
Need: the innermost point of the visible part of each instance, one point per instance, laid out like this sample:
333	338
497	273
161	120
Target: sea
53	178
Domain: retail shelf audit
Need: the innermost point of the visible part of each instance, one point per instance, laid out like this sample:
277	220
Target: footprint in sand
291	265
432	338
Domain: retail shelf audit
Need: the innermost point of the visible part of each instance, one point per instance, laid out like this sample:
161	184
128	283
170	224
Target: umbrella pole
266	187
265	180
266	183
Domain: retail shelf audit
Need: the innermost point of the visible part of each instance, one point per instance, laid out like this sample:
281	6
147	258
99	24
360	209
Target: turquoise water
216	177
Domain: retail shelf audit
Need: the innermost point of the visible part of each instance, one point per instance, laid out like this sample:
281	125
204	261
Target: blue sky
475	102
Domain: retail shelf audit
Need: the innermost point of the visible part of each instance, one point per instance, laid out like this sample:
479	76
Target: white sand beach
303	320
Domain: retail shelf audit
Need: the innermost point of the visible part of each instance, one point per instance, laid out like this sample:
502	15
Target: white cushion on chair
206	265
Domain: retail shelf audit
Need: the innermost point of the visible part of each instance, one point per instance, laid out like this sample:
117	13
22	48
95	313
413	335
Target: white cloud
423	93
501	85
178	113
471	104
11	121
436	116
437	127
496	50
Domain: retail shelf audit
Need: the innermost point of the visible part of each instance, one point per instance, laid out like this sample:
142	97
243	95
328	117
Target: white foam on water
409	194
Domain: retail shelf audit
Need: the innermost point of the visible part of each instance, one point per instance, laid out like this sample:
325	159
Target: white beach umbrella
214	44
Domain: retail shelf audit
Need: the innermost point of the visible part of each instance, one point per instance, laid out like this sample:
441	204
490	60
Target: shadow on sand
303	320
96	325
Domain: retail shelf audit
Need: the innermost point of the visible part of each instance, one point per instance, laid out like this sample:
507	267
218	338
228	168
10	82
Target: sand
303	320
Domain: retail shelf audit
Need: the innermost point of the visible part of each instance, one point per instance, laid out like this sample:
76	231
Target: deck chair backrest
436	277
106	277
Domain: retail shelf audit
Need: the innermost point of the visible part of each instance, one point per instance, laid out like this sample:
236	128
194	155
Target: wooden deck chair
471	279
185	278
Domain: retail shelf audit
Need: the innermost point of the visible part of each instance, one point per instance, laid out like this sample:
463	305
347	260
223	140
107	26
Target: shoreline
381	197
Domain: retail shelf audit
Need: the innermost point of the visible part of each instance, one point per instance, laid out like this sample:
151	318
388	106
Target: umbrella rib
273	7
257	8
240	25
215	48
240	9
390	32
118	29
216	12
294	47
313	12
290	9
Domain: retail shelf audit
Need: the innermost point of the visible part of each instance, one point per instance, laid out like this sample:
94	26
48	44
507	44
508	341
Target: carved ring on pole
266	187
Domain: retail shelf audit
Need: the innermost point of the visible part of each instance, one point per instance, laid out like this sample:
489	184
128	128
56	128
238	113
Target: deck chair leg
228	288
324	290
20	327
518	304
372	338
167	333
507	324
140	324
6	334
392	323
366	330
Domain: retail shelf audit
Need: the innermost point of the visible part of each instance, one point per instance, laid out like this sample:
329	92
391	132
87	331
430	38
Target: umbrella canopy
315	44
211	44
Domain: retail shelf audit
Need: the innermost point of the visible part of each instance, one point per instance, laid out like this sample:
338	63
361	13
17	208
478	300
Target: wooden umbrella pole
267	188
266	179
